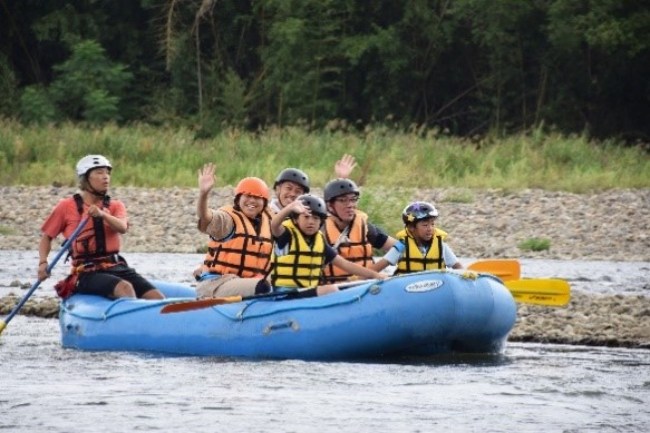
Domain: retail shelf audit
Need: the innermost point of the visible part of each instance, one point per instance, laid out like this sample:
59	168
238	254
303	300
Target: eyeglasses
347	200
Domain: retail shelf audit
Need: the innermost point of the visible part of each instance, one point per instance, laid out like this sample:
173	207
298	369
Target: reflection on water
530	388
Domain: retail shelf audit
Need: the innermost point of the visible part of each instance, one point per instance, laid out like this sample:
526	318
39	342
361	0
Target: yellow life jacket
357	249
302	266
413	260
246	253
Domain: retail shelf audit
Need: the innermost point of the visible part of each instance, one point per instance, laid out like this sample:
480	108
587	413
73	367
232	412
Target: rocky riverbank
612	225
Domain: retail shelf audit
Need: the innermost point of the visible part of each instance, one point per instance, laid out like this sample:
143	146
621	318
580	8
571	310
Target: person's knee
327	289
124	289
262	287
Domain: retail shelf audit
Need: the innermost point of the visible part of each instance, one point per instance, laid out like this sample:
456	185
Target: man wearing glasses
349	232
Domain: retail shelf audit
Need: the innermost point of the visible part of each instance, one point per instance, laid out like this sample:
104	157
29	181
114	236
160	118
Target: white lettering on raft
424	286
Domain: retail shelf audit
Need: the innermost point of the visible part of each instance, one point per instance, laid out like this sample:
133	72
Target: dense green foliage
466	67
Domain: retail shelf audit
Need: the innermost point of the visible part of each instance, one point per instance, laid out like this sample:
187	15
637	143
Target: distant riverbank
610	225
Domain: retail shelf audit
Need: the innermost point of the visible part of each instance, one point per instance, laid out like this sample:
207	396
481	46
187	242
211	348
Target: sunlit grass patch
6	231
535	244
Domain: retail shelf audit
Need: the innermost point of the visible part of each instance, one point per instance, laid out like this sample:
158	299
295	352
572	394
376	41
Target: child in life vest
425	246
301	252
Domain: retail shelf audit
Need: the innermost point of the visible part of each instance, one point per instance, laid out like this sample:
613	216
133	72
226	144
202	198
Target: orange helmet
253	186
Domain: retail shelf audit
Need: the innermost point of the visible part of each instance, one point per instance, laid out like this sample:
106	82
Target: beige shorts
226	285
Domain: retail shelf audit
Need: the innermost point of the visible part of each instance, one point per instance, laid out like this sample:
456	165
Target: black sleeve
305	293
282	240
376	236
330	253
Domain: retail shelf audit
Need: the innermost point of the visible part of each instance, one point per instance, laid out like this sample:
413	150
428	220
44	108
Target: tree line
463	67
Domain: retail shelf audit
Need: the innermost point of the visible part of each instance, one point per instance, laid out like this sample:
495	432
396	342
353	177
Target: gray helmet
293	175
315	204
418	211
338	187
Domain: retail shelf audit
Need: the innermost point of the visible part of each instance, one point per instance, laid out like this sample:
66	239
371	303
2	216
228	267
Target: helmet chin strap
339	219
332	212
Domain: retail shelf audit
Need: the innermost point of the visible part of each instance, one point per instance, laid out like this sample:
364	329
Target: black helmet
293	175
315	204
338	187
418	211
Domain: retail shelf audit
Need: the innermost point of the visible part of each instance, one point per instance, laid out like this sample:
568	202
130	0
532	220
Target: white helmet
89	162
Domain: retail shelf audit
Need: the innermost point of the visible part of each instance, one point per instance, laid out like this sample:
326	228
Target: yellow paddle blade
550	292
506	269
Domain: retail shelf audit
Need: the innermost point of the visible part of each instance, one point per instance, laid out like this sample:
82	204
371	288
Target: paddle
506	269
550	292
64	249
179	307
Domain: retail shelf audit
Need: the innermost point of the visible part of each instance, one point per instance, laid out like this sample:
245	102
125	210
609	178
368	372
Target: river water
530	388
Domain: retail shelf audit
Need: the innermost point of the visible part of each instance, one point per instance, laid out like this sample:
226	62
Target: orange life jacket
356	249
247	252
90	246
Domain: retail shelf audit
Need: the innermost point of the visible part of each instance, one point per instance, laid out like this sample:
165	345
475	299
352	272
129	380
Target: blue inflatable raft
417	314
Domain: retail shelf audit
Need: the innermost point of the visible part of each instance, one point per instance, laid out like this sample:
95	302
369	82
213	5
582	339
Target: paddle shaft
63	250
178	307
503	268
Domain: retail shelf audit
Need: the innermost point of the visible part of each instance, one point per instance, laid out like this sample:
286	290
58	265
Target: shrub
36	105
535	244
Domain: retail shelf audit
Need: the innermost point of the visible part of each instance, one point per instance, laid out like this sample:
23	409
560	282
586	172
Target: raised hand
344	166
206	177
298	207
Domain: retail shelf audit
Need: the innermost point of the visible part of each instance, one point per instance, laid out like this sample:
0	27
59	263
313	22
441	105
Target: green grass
535	244
150	156
5	230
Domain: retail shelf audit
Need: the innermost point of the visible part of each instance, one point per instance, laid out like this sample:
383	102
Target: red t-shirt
65	219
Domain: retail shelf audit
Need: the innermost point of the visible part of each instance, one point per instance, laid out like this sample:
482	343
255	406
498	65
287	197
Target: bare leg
123	289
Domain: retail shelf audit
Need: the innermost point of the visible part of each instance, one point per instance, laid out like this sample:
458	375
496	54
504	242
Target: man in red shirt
97	267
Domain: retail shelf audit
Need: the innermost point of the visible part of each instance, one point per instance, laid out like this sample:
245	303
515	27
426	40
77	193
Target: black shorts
103	282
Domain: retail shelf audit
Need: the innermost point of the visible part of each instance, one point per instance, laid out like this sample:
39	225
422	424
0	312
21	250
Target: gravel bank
612	225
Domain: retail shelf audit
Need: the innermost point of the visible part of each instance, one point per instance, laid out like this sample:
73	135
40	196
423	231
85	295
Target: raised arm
276	222
206	183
